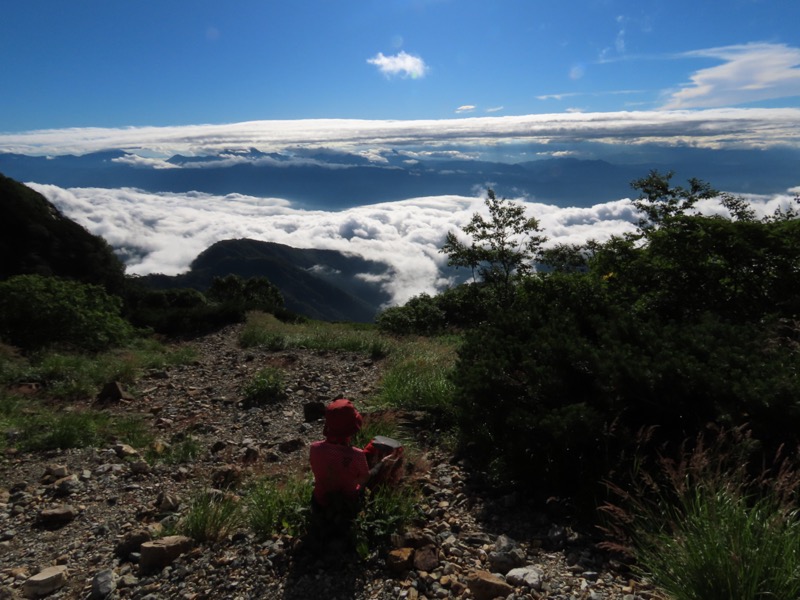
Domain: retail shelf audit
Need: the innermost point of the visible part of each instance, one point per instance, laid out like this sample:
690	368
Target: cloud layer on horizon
163	233
712	128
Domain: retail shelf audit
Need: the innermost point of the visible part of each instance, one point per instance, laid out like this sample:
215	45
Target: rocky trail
81	523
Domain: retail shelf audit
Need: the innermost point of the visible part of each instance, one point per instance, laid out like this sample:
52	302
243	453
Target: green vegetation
212	516
38	425
275	506
33	427
702	528
500	249
266	387
187	311
265	330
179	451
418	376
38	311
386	510
71	376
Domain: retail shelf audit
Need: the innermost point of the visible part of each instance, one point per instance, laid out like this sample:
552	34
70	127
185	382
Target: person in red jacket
341	471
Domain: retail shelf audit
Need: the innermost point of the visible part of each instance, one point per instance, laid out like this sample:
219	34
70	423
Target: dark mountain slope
35	238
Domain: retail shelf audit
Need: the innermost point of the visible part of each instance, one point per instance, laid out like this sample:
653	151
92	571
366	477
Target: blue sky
511	79
115	64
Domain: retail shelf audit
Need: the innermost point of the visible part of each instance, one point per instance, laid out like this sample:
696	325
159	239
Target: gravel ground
88	511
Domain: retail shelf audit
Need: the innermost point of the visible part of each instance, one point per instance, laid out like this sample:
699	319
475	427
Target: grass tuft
702	528
267	387
212	516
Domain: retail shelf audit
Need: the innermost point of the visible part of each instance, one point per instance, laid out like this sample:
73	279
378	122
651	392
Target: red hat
342	420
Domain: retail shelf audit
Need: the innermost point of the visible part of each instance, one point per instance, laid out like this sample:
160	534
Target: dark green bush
38	311
552	394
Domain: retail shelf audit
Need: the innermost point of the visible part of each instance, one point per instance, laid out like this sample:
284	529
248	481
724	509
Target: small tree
658	202
502	247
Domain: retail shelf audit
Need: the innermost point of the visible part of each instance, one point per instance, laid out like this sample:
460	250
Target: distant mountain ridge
330	180
321	284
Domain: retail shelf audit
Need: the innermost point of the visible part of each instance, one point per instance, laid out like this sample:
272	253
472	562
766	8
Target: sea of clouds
164	232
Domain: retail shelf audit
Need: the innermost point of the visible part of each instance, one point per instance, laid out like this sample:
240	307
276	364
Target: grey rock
103	584
529	576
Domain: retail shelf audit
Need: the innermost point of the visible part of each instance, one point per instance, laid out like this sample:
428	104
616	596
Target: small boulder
530	576
426	558
485	586
157	554
55	518
113	392
131	542
400	560
104	584
45	582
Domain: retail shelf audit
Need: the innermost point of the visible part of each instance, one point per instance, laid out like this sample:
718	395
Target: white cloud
466	108
141	161
402	64
167	231
715	128
748	73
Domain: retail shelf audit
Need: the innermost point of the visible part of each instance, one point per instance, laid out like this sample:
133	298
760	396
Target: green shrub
212	516
275	506
37	311
179	312
253	293
267	387
558	386
420	315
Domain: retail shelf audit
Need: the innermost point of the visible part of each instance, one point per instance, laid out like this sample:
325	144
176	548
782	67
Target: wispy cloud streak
748	73
722	127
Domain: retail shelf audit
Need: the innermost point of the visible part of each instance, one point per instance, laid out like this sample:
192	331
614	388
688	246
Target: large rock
55	518
45	582
157	554
485	586
530	576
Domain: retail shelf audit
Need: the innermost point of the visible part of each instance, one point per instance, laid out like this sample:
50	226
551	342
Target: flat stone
485	586
45	582
157	554
54	518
